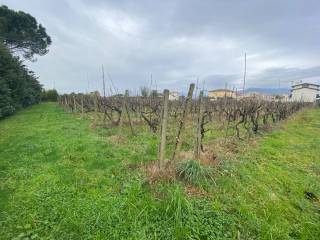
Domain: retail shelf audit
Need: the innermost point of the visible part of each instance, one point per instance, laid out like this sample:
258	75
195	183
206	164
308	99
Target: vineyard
187	120
86	175
180	164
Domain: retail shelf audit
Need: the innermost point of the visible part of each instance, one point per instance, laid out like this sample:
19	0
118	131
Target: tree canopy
21	33
19	87
49	95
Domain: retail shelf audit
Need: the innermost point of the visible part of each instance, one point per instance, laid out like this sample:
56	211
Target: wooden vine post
163	129
185	109
74	104
200	111
82	107
66	103
125	109
95	102
128	111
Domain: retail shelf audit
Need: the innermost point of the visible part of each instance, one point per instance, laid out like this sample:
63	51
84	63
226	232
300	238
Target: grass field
62	179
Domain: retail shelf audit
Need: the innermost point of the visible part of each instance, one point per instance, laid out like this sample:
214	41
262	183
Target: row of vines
239	118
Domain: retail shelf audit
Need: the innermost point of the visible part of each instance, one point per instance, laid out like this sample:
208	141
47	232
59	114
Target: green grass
192	171
61	179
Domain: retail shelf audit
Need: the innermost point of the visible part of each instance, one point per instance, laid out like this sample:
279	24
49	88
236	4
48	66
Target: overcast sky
177	41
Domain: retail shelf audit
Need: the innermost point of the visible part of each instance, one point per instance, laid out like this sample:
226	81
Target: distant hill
269	90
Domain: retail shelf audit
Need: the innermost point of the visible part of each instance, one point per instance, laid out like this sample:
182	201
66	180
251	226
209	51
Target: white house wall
304	94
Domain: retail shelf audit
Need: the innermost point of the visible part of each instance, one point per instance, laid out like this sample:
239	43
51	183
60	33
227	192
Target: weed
192	171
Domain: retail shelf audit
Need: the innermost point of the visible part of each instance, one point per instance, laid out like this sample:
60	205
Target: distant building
260	96
282	97
173	96
95	93
221	93
305	92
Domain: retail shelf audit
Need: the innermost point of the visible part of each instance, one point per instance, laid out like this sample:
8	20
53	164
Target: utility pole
197	87
103	82
245	72
87	78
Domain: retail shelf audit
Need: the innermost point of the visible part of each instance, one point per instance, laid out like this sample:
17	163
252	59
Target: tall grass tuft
178	209
192	171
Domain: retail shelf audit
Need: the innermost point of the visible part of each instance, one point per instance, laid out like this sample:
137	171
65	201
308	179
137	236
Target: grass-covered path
61	179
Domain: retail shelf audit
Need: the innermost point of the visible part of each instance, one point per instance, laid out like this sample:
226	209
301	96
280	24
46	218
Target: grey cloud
177	41
271	77
219	81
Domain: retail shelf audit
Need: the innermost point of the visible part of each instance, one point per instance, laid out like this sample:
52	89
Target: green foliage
18	86
49	95
147	92
21	33
144	91
192	171
178	207
6	103
154	93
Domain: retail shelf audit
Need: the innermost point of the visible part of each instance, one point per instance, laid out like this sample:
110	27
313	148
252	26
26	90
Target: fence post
95	102
163	129
123	110
74	104
185	108
197	147
66	103
128	111
82	110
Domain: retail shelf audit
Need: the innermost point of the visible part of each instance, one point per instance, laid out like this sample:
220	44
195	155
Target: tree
49	95
6	103
19	87
154	93
21	33
144	91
